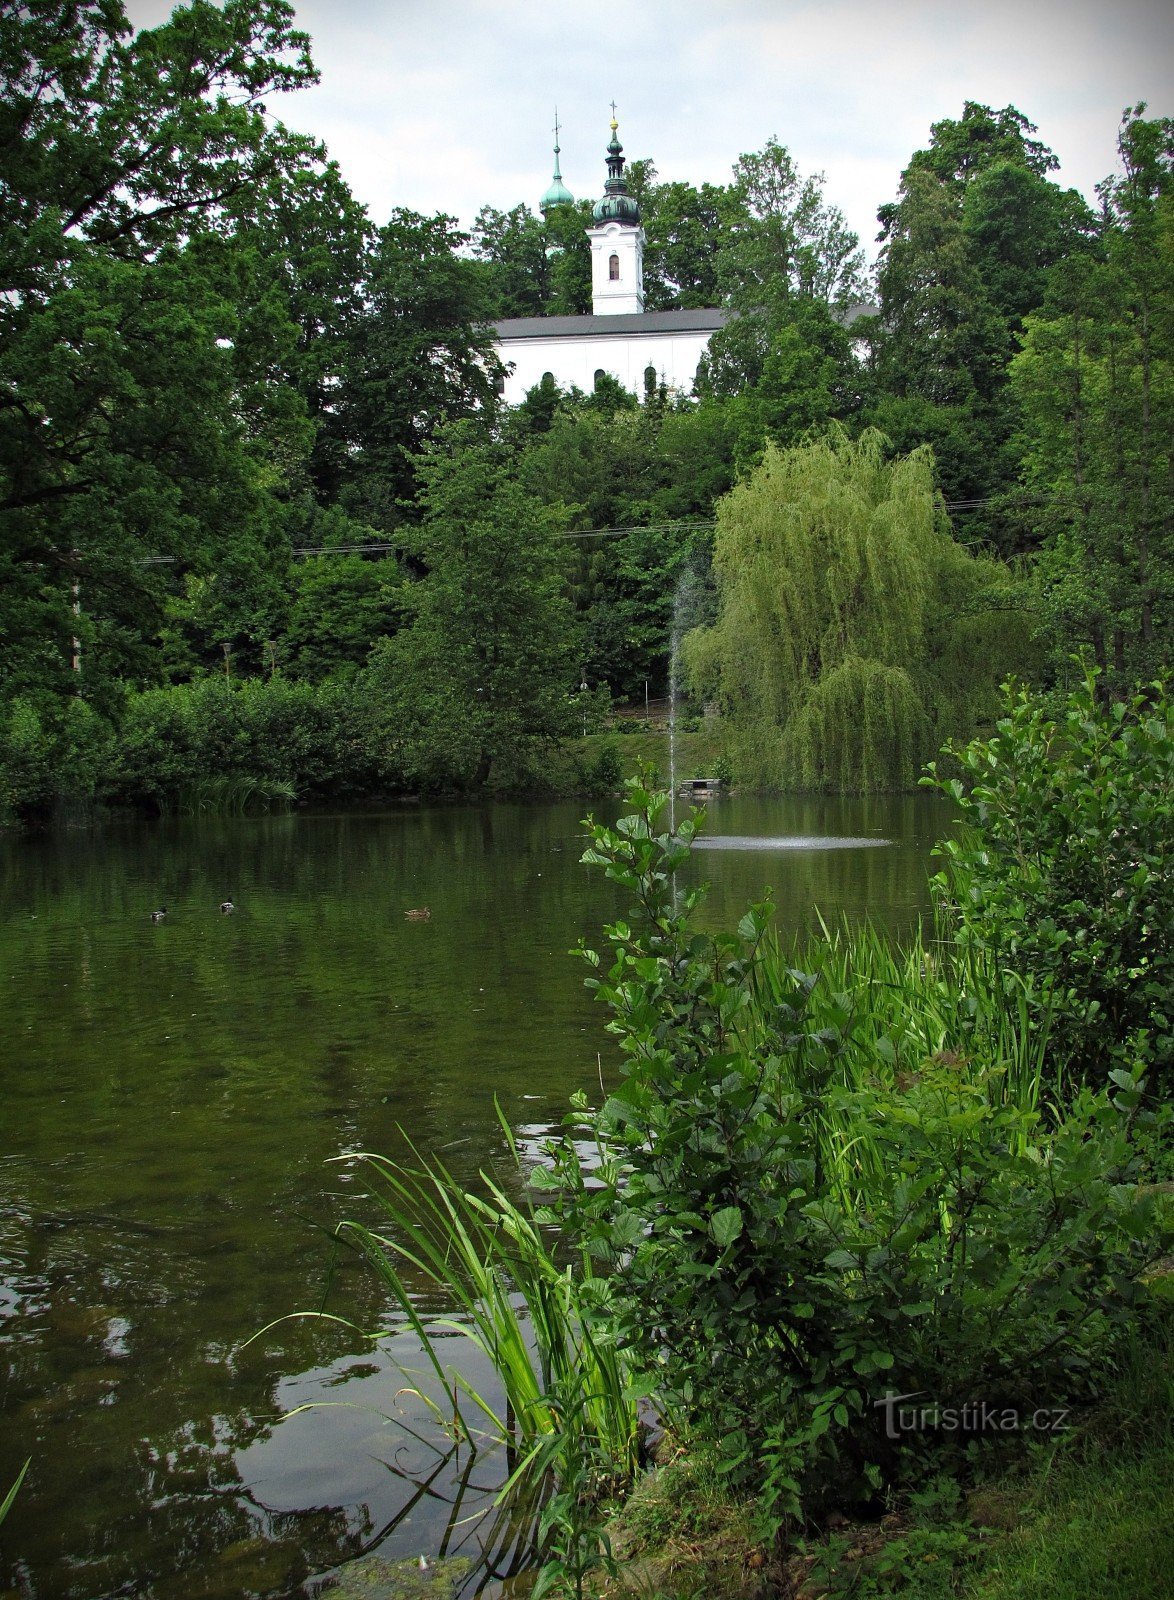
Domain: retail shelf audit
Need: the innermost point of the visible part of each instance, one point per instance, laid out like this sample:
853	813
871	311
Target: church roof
558	194
666	322
617	204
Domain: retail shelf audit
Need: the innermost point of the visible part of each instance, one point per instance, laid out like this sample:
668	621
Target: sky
448	105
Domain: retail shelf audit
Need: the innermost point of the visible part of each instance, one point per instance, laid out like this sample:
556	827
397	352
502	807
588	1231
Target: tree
342	605
685	228
788	240
853	634
512	245
130	140
781	373
296	264
484	674
646	476
1095	381
420	354
965	252
129	161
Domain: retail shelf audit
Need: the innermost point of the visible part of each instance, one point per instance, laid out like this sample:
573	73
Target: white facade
574	349
617	269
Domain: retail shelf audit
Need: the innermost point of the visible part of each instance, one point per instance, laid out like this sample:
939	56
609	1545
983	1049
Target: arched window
599	377
613	268
649	382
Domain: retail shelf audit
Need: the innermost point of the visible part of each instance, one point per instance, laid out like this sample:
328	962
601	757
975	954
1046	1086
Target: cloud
446	105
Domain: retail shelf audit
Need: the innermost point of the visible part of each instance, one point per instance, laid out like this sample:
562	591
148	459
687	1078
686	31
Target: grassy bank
599	762
1087	1514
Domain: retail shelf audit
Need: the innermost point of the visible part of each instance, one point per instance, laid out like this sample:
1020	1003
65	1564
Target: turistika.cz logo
904	1415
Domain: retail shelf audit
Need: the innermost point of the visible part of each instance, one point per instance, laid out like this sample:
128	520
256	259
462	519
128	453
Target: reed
566	1393
234	795
879	1011
7	1502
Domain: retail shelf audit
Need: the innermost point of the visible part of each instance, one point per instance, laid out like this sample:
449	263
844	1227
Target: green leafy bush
977	1258
1063	872
50	752
277	736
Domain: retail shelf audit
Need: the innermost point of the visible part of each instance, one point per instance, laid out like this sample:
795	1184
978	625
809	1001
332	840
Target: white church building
639	348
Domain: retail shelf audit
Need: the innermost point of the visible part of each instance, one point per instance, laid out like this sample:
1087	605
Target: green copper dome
558	194
617	204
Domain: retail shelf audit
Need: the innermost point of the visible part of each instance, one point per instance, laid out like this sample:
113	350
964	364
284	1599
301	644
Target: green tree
341	606
965	253
129	162
1095	381
483	676
420	354
642	477
534	266
685	228
296	264
788	239
853	634
512	245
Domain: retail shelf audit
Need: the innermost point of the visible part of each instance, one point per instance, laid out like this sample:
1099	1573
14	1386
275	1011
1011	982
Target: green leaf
726	1225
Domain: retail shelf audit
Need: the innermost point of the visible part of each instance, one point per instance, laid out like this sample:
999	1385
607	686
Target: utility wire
382	547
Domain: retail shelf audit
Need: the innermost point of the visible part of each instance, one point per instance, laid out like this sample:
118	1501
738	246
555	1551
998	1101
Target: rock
372	1578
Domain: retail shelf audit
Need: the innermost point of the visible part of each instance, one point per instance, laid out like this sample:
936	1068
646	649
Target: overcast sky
447	105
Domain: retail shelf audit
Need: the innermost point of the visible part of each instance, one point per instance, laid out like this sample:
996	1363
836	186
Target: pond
176	1096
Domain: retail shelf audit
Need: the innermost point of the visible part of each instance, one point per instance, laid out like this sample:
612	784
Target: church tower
617	241
557	194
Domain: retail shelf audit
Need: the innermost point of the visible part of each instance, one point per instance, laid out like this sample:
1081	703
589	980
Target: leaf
726	1225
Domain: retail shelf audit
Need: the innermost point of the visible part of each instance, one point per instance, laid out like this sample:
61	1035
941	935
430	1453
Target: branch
22	502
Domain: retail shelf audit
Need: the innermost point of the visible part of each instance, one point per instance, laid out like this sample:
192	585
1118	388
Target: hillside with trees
251	446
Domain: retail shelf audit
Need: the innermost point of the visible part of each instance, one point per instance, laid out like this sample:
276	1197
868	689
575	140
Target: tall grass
880	1011
233	795
566	1395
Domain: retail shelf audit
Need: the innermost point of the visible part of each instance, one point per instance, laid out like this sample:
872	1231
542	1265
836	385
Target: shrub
979	1258
270	737
1063	875
607	771
50	753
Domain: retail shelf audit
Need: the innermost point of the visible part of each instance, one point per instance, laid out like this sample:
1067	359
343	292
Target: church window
649	381
613	268
599	376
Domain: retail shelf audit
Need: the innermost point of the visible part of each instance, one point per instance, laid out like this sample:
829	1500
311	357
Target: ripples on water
176	1097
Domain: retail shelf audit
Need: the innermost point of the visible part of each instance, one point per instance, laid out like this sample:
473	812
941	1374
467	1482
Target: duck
226	908
157	916
419	914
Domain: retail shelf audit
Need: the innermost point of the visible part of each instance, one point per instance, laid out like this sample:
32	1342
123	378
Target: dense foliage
221	389
853	633
801	1233
1062	873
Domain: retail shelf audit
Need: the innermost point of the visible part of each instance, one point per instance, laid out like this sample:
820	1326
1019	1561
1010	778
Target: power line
382	547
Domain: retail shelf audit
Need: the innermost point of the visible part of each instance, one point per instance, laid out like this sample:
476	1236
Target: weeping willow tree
853	635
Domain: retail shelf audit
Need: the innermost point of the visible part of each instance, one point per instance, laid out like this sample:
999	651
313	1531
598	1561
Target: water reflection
176	1098
794	841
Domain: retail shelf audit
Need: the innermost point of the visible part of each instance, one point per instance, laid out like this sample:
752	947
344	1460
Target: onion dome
617	204
558	194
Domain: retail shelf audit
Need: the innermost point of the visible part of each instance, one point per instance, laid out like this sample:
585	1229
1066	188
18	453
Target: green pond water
174	1098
